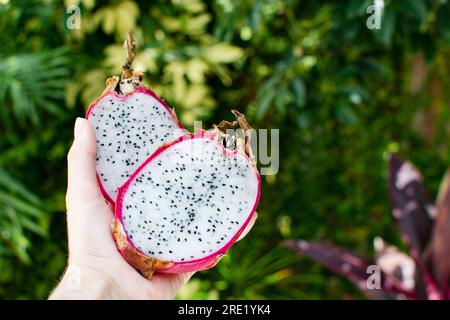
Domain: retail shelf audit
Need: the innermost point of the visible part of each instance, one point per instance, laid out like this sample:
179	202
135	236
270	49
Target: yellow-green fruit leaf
107	16
126	15
223	53
195	70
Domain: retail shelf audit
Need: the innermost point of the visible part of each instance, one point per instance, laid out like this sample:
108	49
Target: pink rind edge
103	191
141	89
210	260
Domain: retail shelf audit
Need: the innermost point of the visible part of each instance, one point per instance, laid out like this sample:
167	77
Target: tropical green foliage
341	94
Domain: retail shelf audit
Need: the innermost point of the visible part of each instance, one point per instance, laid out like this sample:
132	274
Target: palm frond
31	83
20	212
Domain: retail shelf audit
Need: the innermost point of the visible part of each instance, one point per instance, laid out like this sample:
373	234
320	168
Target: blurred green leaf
264	104
387	26
20	210
300	91
29	82
345	113
443	21
223	53
416	8
357	8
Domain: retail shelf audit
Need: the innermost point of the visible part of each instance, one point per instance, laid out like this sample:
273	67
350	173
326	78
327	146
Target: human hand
96	270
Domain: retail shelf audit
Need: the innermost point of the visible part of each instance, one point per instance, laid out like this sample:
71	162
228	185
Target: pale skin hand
96	270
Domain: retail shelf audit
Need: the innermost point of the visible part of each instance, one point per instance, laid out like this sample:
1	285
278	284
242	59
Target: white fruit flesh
128	130
189	201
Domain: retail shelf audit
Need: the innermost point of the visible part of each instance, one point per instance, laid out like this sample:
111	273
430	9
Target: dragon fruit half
186	205
130	123
129	128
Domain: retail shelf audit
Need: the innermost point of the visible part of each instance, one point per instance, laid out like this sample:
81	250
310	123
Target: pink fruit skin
193	265
124	97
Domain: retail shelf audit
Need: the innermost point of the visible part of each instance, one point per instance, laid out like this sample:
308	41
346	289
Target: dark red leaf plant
423	273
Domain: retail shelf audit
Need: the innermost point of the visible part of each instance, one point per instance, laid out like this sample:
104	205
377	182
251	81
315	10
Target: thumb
88	215
82	185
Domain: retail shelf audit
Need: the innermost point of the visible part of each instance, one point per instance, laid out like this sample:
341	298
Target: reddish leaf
398	266
412	206
440	243
353	266
414	212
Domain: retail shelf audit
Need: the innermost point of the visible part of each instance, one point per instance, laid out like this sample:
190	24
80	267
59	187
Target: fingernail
79	126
